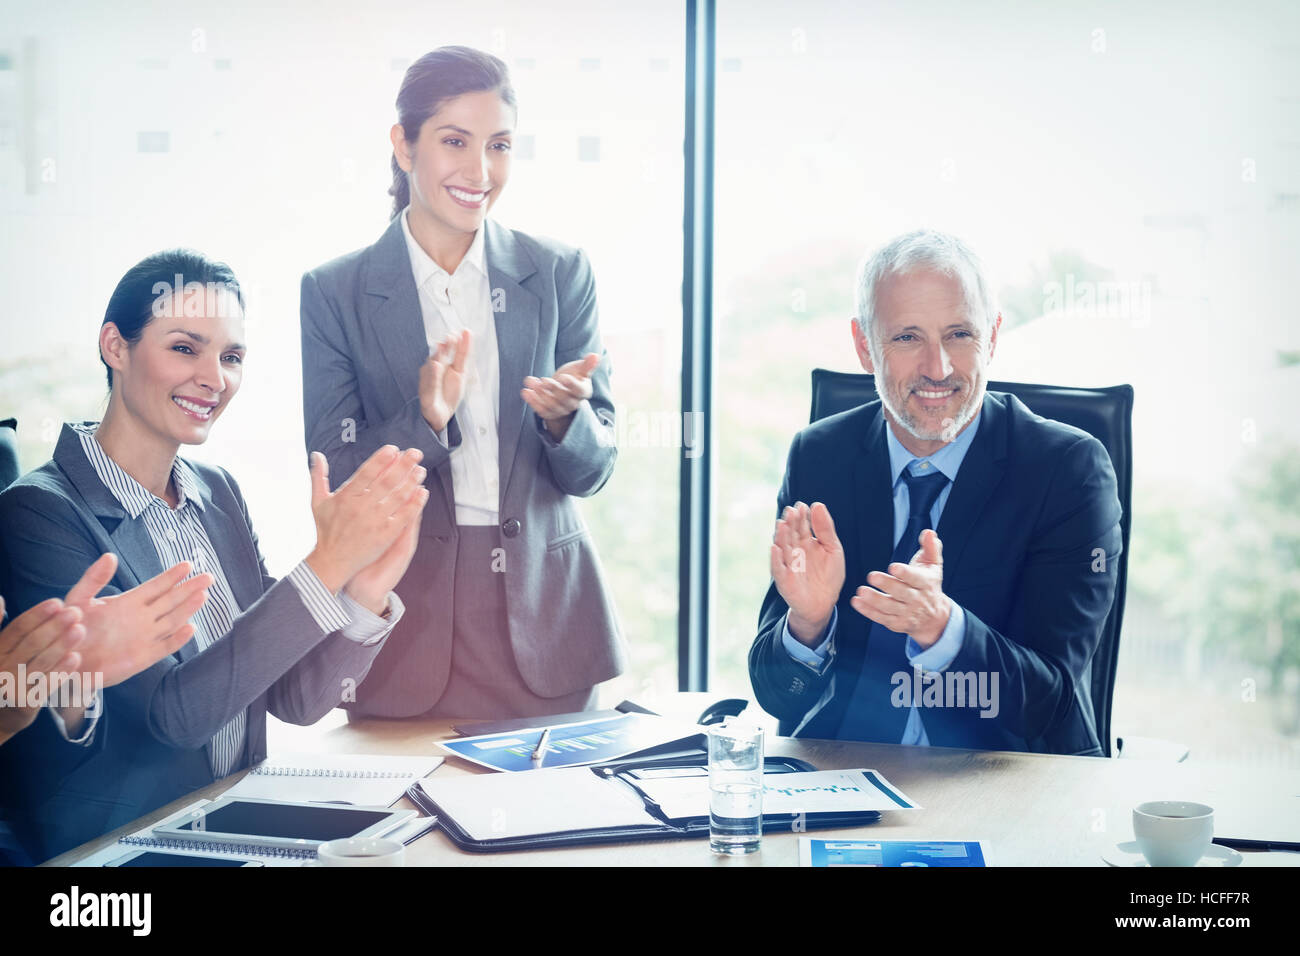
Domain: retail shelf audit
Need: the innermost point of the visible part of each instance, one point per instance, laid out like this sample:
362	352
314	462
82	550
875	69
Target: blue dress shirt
940	654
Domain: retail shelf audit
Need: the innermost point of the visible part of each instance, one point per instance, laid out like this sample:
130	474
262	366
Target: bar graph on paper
570	745
584	744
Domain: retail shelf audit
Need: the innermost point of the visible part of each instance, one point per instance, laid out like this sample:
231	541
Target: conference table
1029	809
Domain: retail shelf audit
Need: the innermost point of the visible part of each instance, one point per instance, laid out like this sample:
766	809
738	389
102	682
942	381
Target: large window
259	135
1130	177
1131	180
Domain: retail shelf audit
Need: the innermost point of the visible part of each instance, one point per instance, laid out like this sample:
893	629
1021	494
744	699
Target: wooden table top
1029	809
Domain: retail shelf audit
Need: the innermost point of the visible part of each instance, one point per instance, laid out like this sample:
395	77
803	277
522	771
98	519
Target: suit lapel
517	328
138	562
136	556
873	514
135	552
396	320
394	308
232	545
873	497
980	473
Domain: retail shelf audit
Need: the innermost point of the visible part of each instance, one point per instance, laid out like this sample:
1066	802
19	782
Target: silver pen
540	752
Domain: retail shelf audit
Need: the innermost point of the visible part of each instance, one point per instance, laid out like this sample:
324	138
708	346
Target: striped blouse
178	535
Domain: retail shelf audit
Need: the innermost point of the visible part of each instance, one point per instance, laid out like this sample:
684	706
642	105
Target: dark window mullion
697	349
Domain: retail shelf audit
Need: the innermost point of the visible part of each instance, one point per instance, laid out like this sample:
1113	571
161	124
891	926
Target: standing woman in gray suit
477	344
173	343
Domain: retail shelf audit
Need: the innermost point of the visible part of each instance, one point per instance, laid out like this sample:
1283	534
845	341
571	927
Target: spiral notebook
363	779
411	828
144	839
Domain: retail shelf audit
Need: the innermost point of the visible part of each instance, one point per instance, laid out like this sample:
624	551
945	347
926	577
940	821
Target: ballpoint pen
540	752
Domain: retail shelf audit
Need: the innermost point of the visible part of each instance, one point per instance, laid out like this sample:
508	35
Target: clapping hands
115	636
556	399
808	568
367	529
442	379
909	599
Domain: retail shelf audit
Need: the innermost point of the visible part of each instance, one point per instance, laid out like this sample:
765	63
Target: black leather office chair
8	452
1104	413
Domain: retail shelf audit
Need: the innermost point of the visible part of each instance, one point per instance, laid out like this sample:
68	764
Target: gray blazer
151	745
363	342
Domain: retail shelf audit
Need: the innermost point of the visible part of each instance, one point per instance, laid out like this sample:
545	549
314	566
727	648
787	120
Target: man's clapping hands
807	564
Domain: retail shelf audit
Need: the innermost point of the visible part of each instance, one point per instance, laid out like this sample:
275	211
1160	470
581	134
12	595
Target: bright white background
1156	148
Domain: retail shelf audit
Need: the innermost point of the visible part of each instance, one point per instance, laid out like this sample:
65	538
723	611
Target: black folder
574	806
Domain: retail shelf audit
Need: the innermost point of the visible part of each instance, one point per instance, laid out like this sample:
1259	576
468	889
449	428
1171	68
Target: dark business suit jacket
363	342
1030	537
152	742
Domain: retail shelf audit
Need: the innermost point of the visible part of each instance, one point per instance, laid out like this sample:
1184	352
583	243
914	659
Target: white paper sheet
816	791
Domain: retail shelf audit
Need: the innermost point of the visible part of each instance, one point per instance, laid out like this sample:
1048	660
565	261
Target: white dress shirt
448	304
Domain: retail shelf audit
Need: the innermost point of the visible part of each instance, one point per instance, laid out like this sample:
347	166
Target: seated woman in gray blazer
478	345
172	341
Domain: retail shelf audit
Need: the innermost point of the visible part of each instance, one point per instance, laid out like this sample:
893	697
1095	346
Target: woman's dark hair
429	82
155	284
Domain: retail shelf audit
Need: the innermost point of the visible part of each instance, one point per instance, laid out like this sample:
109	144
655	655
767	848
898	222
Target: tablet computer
164	858
274	823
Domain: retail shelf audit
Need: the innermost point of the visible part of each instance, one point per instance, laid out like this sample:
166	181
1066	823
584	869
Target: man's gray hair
924	249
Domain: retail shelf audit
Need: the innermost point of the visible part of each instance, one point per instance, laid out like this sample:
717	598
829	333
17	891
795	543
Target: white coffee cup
361	851
1173	832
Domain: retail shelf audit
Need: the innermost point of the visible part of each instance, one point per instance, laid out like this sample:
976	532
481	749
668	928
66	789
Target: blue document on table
573	744
891	853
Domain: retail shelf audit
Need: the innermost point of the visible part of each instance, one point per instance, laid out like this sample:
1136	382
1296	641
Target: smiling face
929	357
459	165
175	381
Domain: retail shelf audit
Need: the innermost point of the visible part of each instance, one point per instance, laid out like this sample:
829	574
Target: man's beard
895	398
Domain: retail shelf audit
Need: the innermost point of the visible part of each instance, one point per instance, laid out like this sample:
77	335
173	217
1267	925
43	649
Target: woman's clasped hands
368	528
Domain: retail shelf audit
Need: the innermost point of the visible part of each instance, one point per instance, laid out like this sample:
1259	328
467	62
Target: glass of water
735	788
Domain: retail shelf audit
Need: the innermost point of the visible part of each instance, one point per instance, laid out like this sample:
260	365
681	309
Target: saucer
1128	854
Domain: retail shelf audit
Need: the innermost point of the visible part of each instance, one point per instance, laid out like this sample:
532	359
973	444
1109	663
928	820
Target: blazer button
511	527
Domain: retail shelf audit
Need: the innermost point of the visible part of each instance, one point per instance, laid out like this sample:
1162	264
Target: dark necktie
870	715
